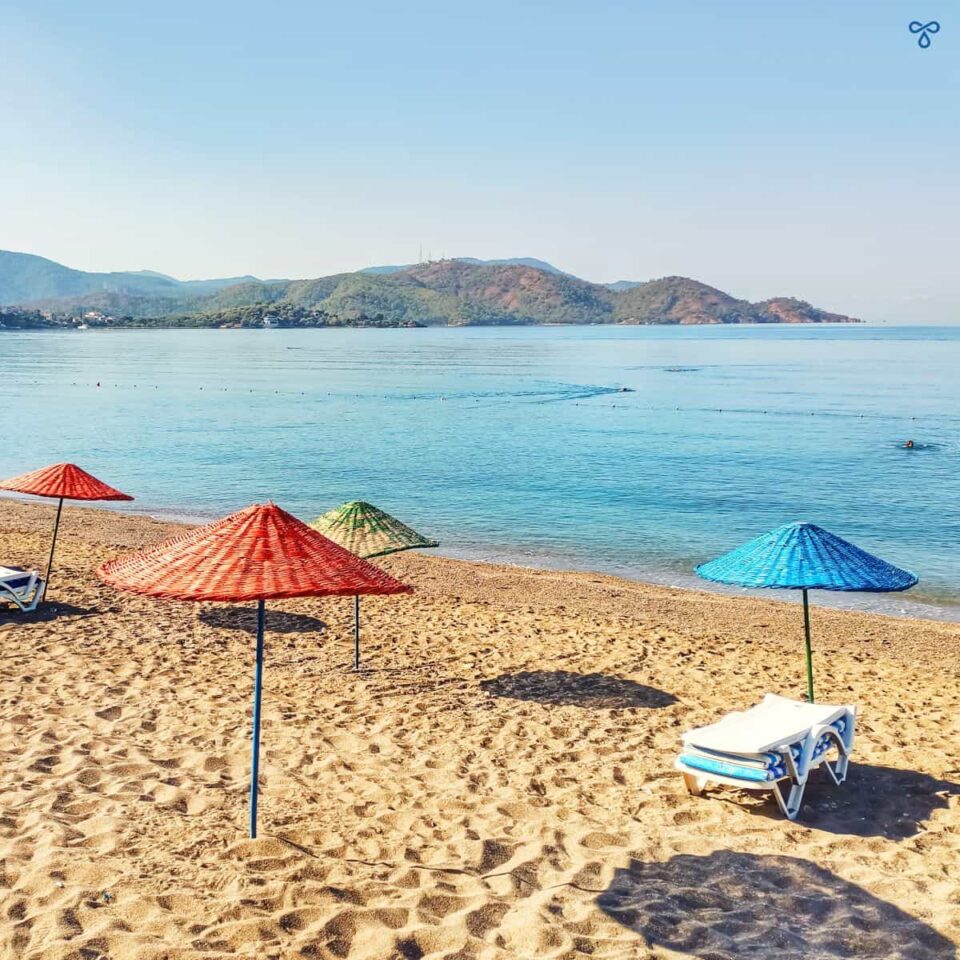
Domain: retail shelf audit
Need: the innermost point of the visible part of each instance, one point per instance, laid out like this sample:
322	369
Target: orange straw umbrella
261	553
63	481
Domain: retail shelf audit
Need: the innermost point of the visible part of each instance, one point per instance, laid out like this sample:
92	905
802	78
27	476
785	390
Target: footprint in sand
69	925
488	917
435	907
17	911
44	764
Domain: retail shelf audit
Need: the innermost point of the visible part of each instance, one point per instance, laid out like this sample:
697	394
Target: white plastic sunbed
22	587
778	739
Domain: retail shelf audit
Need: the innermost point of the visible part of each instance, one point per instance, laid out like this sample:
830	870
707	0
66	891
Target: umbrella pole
53	546
257	687
806	633
356	632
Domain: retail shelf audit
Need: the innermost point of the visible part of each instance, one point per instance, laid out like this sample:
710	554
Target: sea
637	451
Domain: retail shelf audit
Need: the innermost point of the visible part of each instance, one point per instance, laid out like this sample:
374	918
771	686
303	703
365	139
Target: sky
768	149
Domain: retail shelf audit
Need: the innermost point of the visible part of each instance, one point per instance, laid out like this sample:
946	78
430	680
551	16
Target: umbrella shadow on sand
875	801
730	905
564	688
245	618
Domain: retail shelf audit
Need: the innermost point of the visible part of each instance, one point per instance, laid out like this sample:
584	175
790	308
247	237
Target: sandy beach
496	782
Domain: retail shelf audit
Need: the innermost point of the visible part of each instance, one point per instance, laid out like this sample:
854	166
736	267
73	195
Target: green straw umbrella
367	532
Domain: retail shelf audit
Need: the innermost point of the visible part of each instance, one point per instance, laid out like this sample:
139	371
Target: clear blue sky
767	148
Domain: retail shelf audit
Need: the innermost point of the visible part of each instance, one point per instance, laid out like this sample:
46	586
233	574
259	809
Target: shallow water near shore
637	451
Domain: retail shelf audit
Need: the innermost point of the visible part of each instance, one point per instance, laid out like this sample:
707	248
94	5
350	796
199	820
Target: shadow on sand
245	618
577	689
45	613
732	905
874	801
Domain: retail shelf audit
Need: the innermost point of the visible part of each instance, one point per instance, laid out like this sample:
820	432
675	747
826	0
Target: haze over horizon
809	151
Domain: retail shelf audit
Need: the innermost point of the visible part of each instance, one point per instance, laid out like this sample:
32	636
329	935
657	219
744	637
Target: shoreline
146	324
886	605
131	529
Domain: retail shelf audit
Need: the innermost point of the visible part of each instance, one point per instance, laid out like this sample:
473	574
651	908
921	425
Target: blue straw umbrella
803	556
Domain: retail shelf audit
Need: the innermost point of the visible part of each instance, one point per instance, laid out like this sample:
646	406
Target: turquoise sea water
514	443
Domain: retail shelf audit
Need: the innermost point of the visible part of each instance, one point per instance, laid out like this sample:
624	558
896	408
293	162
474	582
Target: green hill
680	300
446	292
26	278
458	292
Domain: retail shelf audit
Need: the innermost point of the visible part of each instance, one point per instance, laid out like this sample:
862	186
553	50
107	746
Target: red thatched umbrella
62	481
261	553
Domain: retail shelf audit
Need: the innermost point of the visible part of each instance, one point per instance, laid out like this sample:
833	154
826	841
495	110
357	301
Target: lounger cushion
759	768
728	768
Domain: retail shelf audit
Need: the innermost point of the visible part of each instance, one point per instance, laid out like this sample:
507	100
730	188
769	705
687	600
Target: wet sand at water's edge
496	783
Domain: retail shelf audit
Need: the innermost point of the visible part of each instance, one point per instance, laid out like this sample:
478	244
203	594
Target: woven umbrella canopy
62	481
260	553
803	556
367	531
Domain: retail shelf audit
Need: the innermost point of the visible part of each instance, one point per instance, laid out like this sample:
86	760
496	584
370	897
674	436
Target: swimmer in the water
909	445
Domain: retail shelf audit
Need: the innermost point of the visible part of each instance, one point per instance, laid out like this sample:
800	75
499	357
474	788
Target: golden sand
496	783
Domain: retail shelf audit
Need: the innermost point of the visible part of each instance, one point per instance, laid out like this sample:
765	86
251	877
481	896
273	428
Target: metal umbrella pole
806	633
53	546
356	632
257	689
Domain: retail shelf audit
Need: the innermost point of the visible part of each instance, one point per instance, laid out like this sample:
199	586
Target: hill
27	278
445	292
457	292
509	262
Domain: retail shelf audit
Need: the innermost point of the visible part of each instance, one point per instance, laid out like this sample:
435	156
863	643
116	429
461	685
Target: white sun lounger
777	740
22	587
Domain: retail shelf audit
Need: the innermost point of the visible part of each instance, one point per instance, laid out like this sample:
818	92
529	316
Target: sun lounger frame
797	771
26	597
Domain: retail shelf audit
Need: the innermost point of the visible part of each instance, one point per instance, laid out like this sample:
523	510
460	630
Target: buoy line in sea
595	402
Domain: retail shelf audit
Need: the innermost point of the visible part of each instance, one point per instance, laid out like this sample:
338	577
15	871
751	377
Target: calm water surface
515	444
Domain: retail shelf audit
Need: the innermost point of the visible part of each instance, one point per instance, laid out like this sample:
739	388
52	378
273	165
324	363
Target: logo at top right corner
923	32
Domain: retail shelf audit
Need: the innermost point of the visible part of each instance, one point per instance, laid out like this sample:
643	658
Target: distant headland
36	293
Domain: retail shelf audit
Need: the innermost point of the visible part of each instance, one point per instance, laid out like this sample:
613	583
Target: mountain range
462	291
